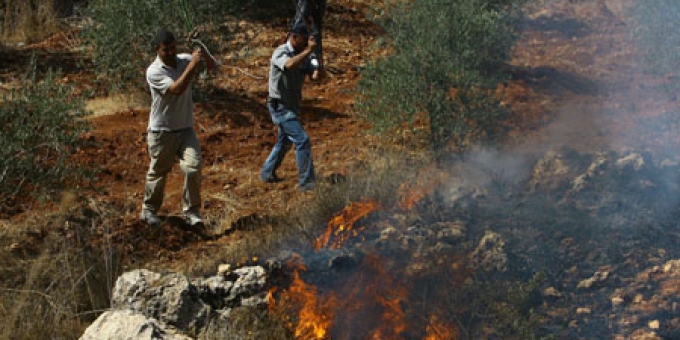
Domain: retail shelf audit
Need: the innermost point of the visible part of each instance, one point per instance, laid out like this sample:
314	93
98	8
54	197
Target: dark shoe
271	179
193	219
306	186
198	226
150	218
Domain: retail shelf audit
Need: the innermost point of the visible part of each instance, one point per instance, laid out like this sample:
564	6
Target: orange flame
369	301
393	319
341	226
372	303
393	322
314	320
371	306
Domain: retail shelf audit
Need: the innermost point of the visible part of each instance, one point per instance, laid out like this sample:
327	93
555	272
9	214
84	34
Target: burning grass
73	256
462	261
483	260
341	226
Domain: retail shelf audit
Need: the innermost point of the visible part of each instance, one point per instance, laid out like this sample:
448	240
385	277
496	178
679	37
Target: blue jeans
290	132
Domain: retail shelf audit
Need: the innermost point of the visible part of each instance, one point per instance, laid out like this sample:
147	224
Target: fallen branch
219	64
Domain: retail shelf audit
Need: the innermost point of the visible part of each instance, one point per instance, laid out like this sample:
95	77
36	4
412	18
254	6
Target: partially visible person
290	64
171	135
311	13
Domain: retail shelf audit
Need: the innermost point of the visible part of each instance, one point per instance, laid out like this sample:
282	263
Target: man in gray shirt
171	132
289	66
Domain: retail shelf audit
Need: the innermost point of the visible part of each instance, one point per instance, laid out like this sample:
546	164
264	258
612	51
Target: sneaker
150	218
193	219
271	179
307	186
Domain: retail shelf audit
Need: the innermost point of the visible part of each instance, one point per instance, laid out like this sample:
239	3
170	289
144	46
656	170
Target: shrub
448	58
42	126
121	33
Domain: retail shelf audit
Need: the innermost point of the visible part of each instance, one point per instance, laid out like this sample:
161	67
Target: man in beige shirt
171	133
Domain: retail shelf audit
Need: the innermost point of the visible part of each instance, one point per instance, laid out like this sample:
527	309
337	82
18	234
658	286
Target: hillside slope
577	84
576	81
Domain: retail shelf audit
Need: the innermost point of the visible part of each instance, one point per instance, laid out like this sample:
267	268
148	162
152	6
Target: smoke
594	188
604	76
611	74
487	165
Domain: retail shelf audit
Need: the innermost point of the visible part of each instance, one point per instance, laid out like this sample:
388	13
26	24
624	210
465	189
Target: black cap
163	36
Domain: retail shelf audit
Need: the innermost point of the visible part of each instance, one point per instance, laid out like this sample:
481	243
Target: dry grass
298	228
117	103
54	279
29	21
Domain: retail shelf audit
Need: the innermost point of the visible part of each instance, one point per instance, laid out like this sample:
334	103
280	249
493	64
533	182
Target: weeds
42	126
299	228
56	276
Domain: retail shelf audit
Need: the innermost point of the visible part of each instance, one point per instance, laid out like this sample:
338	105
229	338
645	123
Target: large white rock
128	325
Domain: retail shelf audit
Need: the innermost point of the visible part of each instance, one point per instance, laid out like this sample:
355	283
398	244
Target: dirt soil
233	125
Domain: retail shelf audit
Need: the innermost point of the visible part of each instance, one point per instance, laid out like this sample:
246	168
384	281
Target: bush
121	33
448	58
42	126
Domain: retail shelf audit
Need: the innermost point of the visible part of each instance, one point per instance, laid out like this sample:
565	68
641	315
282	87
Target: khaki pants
164	148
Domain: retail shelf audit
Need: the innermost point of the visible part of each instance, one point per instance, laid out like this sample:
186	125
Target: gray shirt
286	85
169	112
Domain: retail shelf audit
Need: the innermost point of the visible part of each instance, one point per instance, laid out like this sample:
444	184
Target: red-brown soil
234	128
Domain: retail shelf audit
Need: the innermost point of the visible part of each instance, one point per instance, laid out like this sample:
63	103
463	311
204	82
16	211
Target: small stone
598	277
552	292
654	324
224	270
617	301
583	310
638	298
